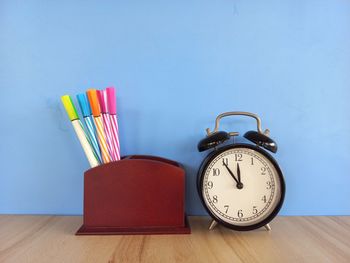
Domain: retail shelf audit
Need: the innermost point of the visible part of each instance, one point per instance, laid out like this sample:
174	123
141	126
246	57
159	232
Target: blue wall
176	65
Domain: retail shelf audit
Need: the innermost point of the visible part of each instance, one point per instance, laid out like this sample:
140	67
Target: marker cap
95	106
111	99
84	104
70	108
101	94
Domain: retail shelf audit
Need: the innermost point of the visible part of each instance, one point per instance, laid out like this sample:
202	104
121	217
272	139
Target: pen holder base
83	230
136	195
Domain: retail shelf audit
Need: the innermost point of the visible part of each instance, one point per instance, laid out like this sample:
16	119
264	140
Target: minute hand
233	176
239	173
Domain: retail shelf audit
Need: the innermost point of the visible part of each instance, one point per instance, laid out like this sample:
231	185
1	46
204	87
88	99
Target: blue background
176	65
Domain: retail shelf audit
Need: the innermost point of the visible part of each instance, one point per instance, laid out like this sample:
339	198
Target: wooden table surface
292	239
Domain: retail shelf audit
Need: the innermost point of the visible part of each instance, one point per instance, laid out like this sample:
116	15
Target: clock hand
239	184
239	173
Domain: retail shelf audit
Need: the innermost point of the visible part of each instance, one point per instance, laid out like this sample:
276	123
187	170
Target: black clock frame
217	151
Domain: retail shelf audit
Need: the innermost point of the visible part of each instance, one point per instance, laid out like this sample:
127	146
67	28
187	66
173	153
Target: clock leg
212	225
267	227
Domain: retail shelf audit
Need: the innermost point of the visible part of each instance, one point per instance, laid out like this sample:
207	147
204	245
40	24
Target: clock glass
241	186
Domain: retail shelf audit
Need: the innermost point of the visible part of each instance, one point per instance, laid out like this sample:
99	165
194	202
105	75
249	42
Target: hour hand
233	176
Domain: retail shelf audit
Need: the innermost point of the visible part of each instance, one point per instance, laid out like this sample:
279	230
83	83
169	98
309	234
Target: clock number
227	207
216	172
263	170
224	161
215	199
252	161
240	214
268	185
255	210
238	157
210	184
264	198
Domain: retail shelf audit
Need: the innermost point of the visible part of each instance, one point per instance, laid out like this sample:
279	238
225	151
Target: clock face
242	187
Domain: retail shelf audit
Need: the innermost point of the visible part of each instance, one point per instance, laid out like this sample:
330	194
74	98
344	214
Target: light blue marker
86	111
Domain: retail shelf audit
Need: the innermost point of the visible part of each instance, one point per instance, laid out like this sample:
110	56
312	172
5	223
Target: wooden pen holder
136	195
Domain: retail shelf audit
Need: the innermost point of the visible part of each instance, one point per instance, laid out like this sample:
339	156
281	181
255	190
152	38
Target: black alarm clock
240	184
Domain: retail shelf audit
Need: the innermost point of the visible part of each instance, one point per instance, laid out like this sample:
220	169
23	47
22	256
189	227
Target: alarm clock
240	184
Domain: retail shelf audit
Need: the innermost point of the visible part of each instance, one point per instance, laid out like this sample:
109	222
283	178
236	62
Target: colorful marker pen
79	130
112	108
102	98
95	107
86	112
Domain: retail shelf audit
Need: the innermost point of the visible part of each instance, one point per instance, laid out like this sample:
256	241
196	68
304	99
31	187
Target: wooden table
292	239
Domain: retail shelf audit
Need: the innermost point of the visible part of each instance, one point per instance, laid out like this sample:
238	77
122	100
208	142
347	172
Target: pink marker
112	108
112	149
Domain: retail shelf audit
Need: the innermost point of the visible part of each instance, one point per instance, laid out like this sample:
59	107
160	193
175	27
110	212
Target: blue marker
86	111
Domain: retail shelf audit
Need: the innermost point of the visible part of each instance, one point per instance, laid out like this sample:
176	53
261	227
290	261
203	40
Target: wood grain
292	239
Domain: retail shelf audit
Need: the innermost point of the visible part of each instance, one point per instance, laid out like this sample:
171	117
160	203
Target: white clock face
241	186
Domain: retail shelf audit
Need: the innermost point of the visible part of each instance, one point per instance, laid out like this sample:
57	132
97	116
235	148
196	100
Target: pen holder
136	195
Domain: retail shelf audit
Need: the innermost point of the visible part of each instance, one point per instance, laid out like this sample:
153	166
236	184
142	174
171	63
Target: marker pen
86	112
79	130
112	108
102	98
101	136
